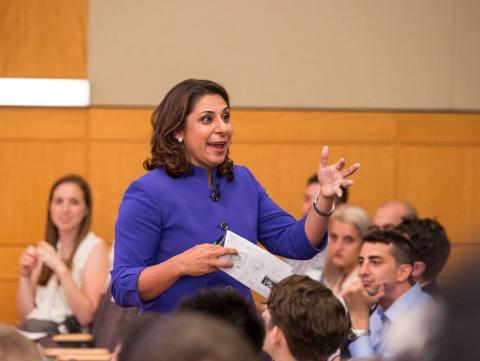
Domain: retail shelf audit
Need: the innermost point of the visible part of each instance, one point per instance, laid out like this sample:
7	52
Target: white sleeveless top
51	304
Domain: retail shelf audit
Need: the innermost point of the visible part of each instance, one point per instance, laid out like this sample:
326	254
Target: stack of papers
253	266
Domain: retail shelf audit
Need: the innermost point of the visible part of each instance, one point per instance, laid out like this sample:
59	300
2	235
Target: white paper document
253	266
33	335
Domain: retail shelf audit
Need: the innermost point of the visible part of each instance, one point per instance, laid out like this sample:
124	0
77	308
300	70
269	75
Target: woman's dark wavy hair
51	232
170	117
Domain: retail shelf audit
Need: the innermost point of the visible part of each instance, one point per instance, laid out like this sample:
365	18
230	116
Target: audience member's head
346	228
304	320
230	307
130	332
191	337
391	213
313	187
348	225
386	258
15	347
431	246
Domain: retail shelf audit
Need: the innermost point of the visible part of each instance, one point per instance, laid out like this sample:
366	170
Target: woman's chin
338	263
216	161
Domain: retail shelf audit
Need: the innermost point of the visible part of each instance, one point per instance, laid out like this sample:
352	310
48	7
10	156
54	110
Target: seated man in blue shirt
386	261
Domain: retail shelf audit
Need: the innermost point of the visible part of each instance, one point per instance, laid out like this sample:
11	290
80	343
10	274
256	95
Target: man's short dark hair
402	250
312	179
312	319
430	243
231	308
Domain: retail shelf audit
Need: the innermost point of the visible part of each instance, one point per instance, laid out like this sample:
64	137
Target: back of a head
191	337
230	307
430	243
391	213
15	347
312	319
353	215
131	330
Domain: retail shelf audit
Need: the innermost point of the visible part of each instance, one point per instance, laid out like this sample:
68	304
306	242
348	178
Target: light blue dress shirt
382	321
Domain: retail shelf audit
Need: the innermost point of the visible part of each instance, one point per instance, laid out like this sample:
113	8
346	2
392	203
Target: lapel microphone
217	194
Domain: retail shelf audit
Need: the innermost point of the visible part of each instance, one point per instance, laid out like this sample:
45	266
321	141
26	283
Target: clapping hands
43	253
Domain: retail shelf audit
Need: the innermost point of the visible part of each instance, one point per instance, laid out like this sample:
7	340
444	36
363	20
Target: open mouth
219	146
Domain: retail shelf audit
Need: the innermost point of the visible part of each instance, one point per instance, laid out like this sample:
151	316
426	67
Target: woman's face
208	131
344	242
67	207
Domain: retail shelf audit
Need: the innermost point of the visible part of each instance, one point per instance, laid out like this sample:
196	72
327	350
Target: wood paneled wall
430	160
43	39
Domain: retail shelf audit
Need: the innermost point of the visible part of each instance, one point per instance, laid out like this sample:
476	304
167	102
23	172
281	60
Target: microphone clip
217	194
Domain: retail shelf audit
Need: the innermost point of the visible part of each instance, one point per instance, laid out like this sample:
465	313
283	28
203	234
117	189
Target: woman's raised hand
204	258
332	177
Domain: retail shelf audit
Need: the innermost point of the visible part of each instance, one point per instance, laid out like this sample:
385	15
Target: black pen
220	240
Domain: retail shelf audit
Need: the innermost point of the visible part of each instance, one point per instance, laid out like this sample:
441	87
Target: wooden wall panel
461	255
43	39
9	257
312	126
127	124
28	170
442	182
8	290
112	167
439	128
400	153
43	123
283	170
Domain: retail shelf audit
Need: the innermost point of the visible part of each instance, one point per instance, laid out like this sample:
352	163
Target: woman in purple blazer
170	218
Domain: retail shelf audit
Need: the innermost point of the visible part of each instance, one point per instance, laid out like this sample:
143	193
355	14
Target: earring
180	139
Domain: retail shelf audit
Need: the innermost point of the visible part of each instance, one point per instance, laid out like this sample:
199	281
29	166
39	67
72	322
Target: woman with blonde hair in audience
62	278
348	224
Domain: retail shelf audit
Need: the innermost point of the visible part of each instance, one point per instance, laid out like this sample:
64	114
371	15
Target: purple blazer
161	216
